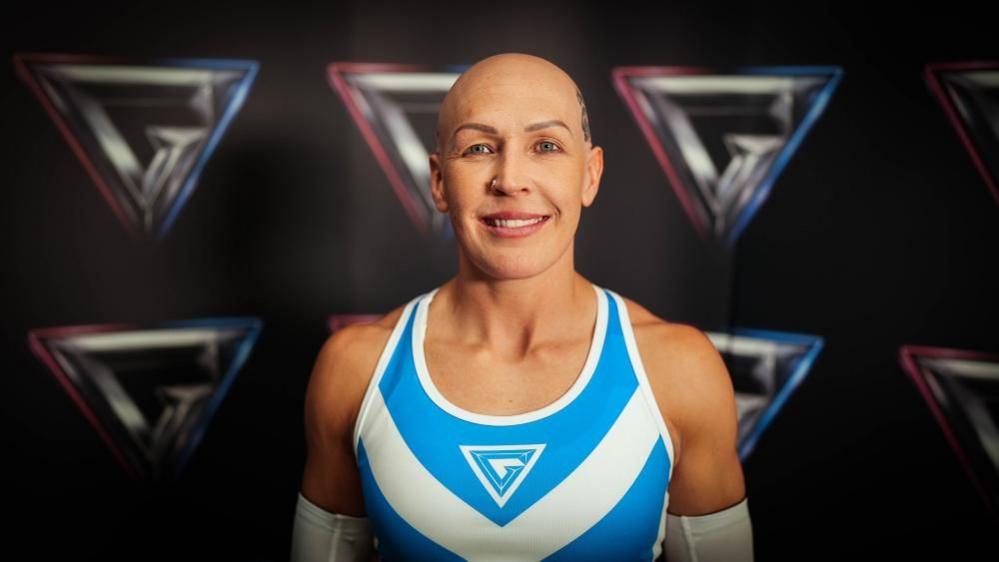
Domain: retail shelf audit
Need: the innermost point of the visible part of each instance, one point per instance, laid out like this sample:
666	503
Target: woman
518	411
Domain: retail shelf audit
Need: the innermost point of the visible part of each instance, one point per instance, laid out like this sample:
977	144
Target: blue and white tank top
584	478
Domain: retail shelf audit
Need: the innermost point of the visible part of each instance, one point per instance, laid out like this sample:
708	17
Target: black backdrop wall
879	233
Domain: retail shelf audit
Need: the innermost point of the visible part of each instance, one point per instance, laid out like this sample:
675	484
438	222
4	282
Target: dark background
878	233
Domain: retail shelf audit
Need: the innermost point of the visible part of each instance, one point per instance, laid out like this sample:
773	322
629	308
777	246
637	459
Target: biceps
708	478
331	479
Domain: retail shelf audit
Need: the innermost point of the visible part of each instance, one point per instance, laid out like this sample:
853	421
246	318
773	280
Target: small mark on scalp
585	118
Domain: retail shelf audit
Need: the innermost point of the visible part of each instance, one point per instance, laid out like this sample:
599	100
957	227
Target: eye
478	149
548	146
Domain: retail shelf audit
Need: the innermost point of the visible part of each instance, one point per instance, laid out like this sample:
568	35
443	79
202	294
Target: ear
591	177
437	183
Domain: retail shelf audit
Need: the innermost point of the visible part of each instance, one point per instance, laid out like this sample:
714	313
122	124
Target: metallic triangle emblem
723	138
969	95
149	392
143	130
501	468
395	107
961	388
766	368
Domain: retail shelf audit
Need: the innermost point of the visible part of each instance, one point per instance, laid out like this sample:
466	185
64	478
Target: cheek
452	192
460	184
568	197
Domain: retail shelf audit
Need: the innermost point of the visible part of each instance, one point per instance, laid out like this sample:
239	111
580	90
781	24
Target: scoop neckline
423	372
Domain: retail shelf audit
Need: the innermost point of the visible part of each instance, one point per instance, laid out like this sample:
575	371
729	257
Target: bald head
512	82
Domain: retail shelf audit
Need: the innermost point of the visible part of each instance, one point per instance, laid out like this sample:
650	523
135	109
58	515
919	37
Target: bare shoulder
342	371
686	372
339	379
671	348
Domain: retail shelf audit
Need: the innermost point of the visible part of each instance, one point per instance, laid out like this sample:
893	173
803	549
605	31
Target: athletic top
584	478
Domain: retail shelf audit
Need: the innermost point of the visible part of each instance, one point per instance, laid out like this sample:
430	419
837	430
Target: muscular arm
330	522
701	404
708	512
332	399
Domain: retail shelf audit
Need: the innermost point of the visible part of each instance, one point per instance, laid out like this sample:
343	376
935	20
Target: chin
513	266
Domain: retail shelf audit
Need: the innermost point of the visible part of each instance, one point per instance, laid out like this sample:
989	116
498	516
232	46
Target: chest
482	381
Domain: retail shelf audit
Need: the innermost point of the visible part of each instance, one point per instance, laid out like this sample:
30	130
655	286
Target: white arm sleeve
722	536
321	536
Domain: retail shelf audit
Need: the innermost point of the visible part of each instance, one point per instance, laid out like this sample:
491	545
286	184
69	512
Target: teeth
514	223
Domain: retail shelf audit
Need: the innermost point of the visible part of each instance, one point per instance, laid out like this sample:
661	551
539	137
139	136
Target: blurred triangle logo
501	468
143	131
766	367
395	107
969	94
149	392
961	388
723	137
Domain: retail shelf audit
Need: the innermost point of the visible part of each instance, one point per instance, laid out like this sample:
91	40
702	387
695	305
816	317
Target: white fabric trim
643	377
722	536
321	536
603	478
383	361
592	358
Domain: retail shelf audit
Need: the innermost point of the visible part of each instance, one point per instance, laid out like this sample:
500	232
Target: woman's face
513	171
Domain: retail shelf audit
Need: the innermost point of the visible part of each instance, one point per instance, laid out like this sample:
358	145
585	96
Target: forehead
514	99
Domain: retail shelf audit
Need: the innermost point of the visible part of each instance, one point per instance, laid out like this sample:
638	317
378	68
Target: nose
509	178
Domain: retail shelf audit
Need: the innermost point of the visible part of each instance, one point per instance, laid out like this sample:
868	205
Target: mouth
514	225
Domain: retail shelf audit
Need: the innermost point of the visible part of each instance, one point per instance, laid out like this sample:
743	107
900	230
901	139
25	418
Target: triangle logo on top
395	106
501	468
723	137
969	94
143	129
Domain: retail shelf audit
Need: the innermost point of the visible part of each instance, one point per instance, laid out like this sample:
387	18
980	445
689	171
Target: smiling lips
511	224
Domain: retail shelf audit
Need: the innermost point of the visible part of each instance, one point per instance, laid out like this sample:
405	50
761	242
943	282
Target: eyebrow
547	125
527	129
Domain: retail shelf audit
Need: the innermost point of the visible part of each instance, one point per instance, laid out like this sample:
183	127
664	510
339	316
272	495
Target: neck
513	316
